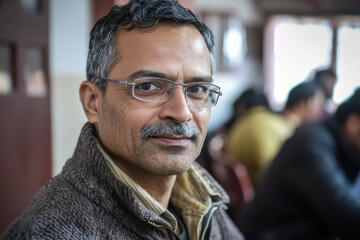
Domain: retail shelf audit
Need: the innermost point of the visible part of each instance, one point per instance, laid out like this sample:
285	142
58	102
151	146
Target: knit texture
86	201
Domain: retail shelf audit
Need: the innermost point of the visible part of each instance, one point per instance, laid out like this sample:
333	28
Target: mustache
184	129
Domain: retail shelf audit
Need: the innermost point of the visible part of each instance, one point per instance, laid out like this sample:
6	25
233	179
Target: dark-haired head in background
304	103
348	116
250	98
326	79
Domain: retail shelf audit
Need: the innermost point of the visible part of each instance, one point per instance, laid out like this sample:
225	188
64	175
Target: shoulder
259	124
213	184
222	227
54	212
314	134
311	145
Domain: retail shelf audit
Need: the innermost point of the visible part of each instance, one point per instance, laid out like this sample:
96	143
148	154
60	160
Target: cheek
202	118
138	117
118	124
111	126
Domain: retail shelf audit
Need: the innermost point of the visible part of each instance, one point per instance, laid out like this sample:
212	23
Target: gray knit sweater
86	201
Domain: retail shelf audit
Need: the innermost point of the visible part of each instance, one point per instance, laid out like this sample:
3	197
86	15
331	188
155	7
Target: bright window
348	67
295	47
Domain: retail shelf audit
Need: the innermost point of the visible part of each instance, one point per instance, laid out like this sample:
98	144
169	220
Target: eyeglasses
152	89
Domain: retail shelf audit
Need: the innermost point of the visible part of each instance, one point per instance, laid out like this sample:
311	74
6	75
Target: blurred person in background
256	139
312	188
326	78
304	104
247	100
147	99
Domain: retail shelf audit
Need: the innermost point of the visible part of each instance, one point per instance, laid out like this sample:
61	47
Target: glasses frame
132	85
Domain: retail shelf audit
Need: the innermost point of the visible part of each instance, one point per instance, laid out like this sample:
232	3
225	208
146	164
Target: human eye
148	86
197	88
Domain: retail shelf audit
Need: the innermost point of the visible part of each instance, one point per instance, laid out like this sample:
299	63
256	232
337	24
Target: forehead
179	50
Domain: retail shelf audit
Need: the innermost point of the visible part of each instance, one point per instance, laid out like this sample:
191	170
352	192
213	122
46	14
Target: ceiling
253	11
309	7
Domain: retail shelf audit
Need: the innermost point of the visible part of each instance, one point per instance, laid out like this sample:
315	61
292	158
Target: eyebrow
150	73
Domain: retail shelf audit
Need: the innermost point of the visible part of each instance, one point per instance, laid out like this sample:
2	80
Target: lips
173	140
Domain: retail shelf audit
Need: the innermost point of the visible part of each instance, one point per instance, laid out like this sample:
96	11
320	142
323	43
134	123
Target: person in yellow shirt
258	136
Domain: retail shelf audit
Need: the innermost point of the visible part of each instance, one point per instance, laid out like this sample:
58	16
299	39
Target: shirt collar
191	194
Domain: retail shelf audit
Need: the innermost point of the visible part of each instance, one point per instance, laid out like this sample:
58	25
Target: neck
158	186
293	117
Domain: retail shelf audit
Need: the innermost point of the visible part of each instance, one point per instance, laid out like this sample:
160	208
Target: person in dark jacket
147	99
312	189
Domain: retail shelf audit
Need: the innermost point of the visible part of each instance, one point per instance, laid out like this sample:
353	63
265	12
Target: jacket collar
89	173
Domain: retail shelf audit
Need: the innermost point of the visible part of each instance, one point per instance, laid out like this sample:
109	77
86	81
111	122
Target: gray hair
141	14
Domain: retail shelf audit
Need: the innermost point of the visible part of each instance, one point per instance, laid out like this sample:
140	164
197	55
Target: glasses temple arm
125	83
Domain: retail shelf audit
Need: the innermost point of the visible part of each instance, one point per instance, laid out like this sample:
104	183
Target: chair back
231	174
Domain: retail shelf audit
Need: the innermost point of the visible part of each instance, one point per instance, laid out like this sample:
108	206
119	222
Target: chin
181	171
175	167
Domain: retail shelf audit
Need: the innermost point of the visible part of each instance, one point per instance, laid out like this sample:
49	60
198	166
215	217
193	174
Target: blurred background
266	44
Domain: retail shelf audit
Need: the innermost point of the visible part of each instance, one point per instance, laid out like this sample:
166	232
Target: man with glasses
147	99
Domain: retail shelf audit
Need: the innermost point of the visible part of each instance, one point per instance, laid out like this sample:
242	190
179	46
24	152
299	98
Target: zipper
155	225
207	219
169	232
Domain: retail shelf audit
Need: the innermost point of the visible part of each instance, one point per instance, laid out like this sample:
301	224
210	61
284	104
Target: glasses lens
152	89
202	94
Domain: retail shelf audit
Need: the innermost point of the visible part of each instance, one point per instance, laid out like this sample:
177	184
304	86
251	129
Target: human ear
90	97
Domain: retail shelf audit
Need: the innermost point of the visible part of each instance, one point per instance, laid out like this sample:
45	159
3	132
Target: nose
176	108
